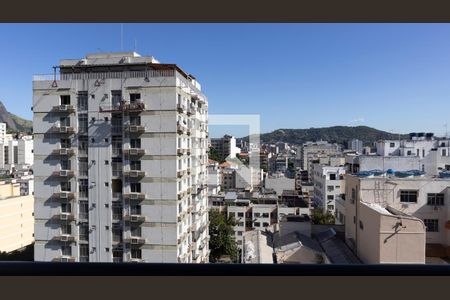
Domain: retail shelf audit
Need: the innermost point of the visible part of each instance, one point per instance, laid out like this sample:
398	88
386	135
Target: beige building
385	217
16	218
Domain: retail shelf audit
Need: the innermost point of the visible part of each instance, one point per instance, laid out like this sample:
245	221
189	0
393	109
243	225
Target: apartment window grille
84	232
64	121
117	252
116	98
83	145
135	143
135	187
135	209
136	253
65	186
65	164
116	166
117	210
116	145
66	250
117	233
16	154
84	210
66	207
432	225
65	99
83	166
116	125
408	196
135	120
66	228
136	230
135	165
436	199
82	101
135	97
444	152
392	145
82	123
84	253
65	143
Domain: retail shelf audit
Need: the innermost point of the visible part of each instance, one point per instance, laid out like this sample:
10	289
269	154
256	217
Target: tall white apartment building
120	162
329	185
16	152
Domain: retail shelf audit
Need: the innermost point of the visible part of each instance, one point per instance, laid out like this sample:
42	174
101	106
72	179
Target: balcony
134	151
134	174
116	196
181	195
64	195
134	240
134	196
181	129
181	108
135	107
63	152
134	129
63	108
57	129
63	173
65	238
181	151
65	216
135	218
181	173
64	258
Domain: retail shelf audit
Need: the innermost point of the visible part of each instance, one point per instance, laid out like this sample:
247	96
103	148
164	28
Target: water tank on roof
390	171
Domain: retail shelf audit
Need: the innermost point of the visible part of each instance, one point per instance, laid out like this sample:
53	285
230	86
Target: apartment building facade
120	162
16	153
423	197
329	185
16	217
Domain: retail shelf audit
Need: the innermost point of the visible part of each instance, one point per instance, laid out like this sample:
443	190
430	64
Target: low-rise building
16	217
329	184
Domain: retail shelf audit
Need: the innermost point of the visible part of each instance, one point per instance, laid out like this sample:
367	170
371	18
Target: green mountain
335	134
14	123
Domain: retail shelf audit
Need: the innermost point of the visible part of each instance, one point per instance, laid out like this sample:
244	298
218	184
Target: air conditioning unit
133	151
133	173
135	241
64	216
436	207
134	218
64	195
65	259
64	107
63	173
134	196
133	128
63	151
63	129
64	238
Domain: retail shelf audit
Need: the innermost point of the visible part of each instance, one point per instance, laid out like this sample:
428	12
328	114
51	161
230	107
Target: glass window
82	100
84	210
408	196
435	199
65	99
432	225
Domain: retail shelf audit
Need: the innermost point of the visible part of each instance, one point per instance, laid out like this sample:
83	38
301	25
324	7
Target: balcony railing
134	129
134	196
105	75
181	129
62	129
64	195
63	151
137	218
65	237
64	258
63	173
65	216
134	151
134	174
134	240
181	108
63	108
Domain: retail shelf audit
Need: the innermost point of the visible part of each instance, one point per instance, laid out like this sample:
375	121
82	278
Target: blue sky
388	76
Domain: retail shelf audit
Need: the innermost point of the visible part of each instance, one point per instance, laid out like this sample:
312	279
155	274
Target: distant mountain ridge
14	123
334	134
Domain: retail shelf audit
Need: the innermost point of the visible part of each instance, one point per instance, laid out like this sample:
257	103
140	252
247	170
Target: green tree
319	217
214	155
222	240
